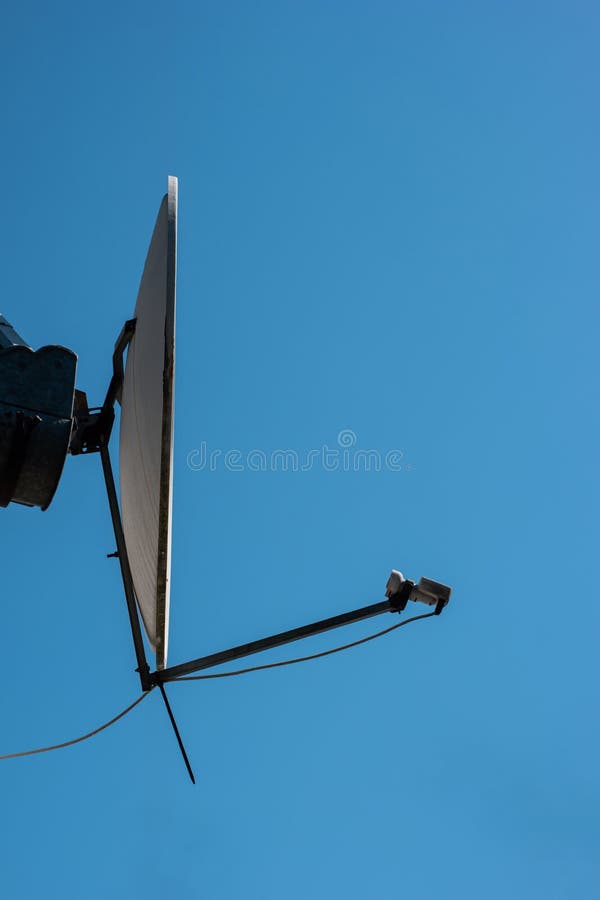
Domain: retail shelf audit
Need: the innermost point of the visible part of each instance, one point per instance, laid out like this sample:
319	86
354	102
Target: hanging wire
300	659
84	737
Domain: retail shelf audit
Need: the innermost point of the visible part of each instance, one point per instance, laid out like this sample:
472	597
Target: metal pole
177	735
276	640
134	621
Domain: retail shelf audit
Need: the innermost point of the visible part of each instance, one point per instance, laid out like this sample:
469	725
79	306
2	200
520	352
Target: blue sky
388	225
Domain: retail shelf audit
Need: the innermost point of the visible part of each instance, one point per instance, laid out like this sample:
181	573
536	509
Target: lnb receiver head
400	590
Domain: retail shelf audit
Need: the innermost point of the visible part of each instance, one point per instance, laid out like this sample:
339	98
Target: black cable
84	737
299	659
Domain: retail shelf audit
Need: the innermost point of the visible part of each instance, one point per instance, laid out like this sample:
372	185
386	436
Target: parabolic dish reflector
146	437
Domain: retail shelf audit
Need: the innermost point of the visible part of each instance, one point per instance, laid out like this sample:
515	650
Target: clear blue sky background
389	224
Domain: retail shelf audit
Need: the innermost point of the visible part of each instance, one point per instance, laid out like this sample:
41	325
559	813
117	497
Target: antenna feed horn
400	590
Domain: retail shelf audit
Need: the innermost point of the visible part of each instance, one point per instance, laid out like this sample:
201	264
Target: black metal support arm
394	604
114	389
92	436
136	631
177	734
95	424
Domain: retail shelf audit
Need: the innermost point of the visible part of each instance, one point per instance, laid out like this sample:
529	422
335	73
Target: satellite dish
146	436
40	409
